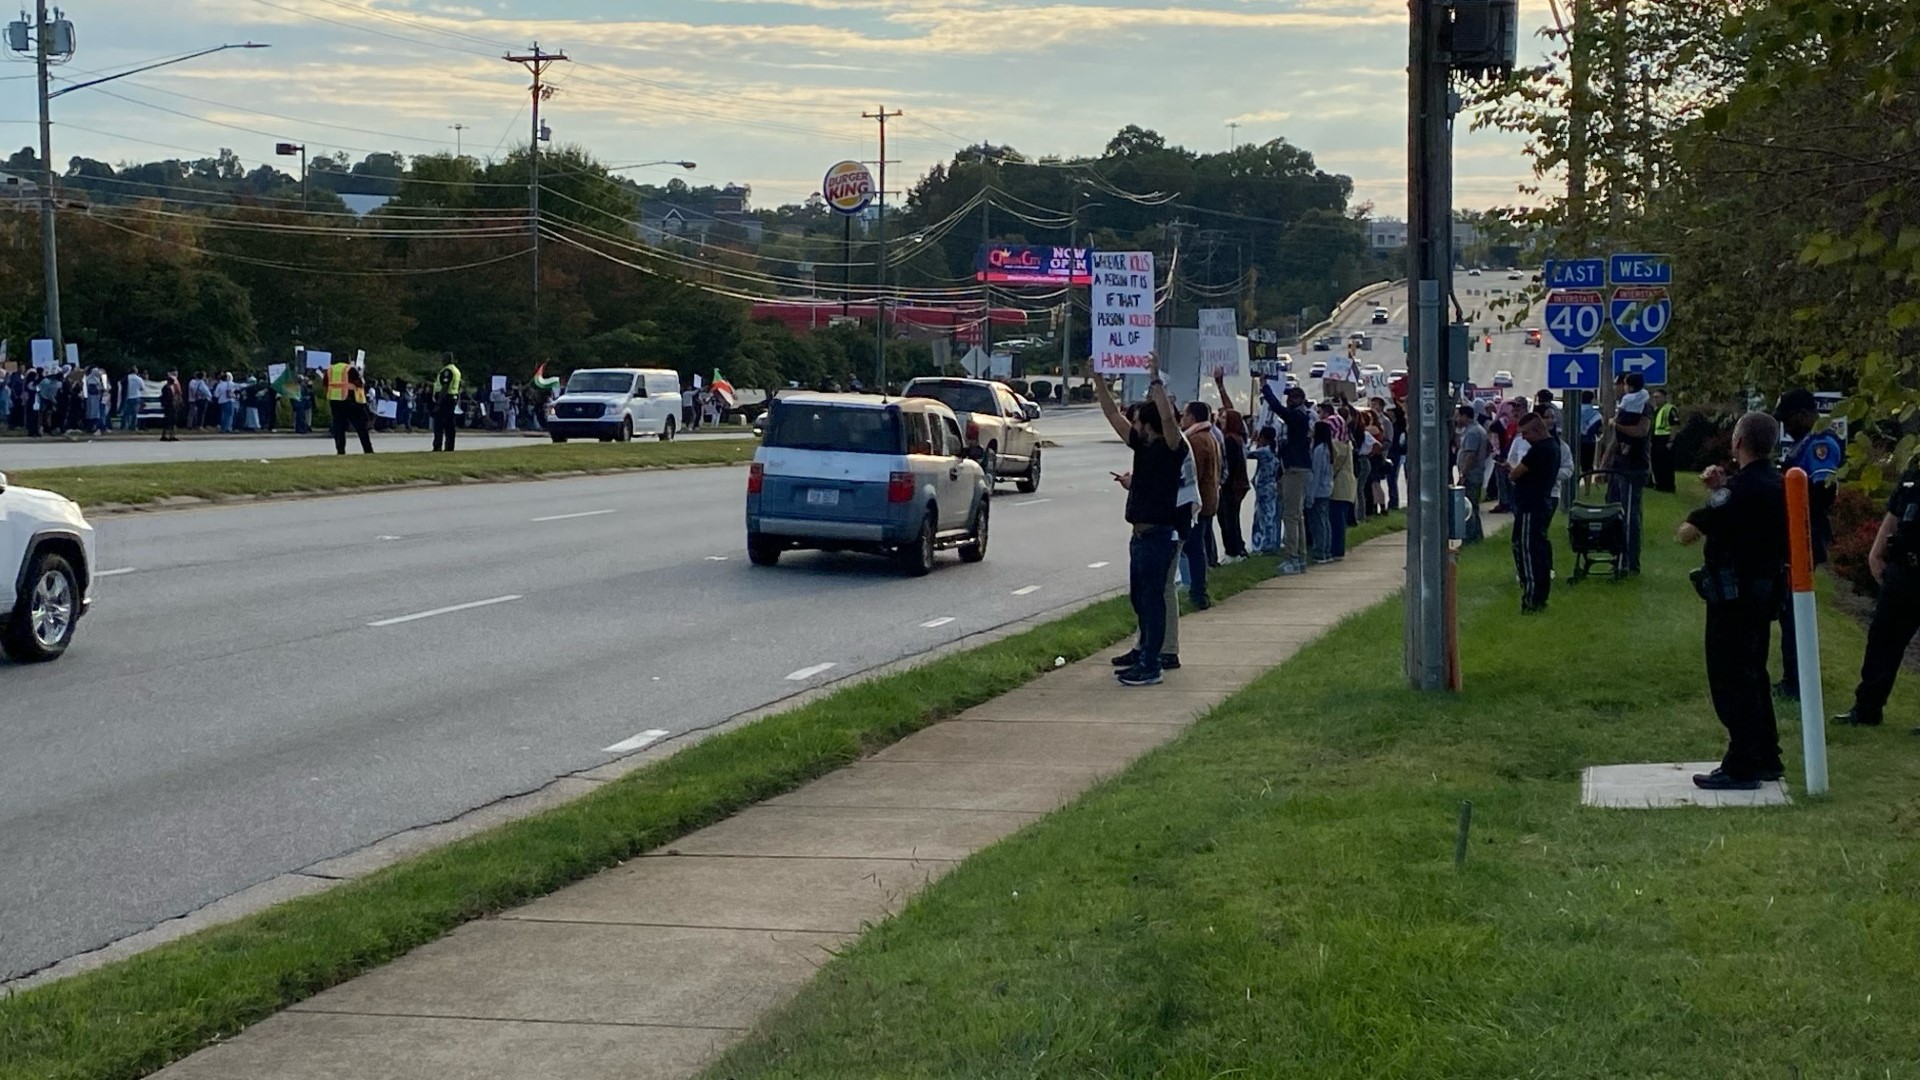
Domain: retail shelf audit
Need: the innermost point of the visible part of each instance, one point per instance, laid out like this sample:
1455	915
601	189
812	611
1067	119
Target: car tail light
756	478
973	431
900	487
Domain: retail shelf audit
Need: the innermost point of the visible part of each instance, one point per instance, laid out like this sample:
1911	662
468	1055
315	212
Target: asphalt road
263	687
18	452
1510	351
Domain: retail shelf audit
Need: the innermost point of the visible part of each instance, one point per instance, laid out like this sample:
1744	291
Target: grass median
1274	893
135	1016
136	484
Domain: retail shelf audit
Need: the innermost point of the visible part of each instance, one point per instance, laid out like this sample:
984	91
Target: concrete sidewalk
652	968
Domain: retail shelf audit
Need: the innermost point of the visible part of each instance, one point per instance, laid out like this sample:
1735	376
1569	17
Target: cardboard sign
1123	311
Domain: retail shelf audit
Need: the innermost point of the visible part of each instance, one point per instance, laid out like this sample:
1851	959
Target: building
1388	236
16	190
662	220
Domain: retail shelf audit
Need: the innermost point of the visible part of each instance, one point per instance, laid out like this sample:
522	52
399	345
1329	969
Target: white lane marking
444	611
1097	565
941	621
570	517
716	558
113	573
386	538
809	672
1026	589
625	746
1033	502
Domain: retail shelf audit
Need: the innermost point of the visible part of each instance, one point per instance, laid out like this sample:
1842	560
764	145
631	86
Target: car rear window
960	397
810	426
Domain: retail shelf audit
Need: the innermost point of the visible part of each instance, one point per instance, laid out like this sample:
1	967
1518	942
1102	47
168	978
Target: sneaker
1169	661
1145	677
1288	569
1855	718
1130	658
1719	780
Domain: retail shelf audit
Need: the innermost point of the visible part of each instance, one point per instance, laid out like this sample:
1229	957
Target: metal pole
49	240
986	288
880	261
846	268
533	194
1066	301
303	177
1429	267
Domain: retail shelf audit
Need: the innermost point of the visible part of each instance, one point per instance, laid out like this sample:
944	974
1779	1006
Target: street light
287	149
649	164
51	41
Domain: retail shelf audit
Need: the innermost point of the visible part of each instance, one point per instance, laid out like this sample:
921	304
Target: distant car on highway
1380	316
1475	272
615	404
47	542
1533	337
993	419
1361	339
1286	361
1513	275
859	472
1503	378
1318	370
1325	343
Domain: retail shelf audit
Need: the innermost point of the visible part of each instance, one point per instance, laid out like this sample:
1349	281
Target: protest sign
43	353
1123	310
1220	349
318	361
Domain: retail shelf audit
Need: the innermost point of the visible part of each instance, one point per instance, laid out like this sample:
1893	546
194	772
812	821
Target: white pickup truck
48	545
995	421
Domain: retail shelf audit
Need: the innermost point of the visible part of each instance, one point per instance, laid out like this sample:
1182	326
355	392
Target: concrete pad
1664	785
1223	625
1251	658
412	842
595	973
1096	746
818	832
1161	704
320	1046
890	785
826	895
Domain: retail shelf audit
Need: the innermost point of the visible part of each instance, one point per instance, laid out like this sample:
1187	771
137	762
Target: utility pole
1066	300
45	51
536	64
458	153
1429	273
986	287
880	261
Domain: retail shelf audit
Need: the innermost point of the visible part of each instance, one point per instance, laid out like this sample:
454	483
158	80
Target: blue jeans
1342	515
1318	524
1149	559
1393	483
1194	546
130	414
226	416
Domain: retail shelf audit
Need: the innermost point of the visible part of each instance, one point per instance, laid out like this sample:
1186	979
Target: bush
1081	394
1702	439
1856	520
1021	387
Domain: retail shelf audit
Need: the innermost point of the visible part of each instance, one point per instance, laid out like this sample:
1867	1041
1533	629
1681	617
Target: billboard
1029	264
847	188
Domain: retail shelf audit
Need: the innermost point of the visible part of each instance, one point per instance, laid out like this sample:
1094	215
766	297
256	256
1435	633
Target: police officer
1745	527
446	396
1895	563
1663	415
1819	454
350	410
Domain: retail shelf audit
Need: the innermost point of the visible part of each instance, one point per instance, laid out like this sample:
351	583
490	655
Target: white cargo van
615	404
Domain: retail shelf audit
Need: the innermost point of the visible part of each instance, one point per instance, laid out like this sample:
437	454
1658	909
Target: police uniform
1896	613
1819	454
1745	523
1662	448
446	396
347	402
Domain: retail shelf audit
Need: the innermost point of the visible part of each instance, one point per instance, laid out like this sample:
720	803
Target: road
1476	297
263	687
17	453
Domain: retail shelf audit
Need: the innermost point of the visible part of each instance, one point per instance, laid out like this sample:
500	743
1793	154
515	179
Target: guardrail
1359	296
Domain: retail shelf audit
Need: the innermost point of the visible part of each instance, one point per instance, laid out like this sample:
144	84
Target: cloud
1262	116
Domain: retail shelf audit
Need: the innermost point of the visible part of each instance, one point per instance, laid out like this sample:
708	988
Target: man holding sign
1151	430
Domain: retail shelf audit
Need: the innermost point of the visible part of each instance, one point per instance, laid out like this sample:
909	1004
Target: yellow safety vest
337	381
1663	419
448	382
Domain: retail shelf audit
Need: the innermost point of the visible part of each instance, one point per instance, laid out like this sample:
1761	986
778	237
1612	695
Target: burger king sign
848	187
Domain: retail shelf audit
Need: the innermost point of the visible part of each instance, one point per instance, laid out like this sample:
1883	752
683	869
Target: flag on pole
286	381
723	388
541	381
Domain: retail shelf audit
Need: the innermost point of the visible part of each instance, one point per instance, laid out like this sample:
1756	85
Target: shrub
1856	520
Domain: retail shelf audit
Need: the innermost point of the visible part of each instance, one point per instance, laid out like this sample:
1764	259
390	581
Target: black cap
1795	401
1293	390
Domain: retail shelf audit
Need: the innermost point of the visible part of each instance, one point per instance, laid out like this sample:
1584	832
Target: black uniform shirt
1904	506
1745	523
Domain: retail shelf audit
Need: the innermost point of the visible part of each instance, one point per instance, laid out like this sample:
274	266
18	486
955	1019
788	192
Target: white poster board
387	409
360	360
43	353
1123	311
499	384
73	355
1220	348
1000	366
318	361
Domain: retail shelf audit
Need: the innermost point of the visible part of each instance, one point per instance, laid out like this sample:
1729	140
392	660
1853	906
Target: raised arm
1111	408
1220	383
1267	395
1157	391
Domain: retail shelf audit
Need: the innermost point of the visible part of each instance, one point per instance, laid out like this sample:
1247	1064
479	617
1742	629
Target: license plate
823	497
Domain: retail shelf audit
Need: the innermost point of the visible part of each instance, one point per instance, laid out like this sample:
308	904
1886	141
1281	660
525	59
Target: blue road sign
1575	273
1575	316
1573	371
1641	313
1640	269
1650	363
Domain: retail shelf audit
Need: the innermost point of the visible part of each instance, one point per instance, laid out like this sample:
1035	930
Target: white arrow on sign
1636	361
1573	371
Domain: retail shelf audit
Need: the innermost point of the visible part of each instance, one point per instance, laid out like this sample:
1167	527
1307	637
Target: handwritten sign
1219	343
1122	299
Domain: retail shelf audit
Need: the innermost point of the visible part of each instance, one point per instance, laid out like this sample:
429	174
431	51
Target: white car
615	404
49	545
1503	378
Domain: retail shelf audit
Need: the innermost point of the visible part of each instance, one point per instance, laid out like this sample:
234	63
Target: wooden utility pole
536	63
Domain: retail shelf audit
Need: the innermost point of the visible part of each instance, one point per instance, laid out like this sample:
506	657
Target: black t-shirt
1630	451
1534	487
1153	498
1745	523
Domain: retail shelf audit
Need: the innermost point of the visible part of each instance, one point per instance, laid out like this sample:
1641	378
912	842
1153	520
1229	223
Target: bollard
1806	629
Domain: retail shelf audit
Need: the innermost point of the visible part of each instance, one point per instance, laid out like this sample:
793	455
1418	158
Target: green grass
95	485
132	1017
1274	895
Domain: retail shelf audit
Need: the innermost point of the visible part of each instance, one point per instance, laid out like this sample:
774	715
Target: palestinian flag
723	388
288	382
542	382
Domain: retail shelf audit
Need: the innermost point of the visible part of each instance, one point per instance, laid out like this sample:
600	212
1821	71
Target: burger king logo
848	187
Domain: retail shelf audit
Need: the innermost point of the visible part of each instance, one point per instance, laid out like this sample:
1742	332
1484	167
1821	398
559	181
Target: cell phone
1115	475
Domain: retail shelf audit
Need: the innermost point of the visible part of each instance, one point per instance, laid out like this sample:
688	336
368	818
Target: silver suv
47	543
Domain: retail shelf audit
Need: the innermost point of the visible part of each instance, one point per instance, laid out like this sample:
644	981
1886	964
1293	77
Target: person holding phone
1151	429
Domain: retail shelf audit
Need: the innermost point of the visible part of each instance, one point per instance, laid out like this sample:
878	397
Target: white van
615	404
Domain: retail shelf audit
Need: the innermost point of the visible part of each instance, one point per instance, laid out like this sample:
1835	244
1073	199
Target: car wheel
666	433
916	558
625	433
1030	483
761	551
975	549
42	626
559	438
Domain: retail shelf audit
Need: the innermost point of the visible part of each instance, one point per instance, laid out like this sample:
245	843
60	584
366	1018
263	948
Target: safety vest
449	381
356	385
337	381
1663	419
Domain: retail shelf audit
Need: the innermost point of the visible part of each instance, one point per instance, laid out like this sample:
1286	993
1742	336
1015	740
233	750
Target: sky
760	92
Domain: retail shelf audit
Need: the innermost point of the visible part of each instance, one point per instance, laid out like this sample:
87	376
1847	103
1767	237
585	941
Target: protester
1533	481
1345	488
1320	492
1471	457
170	407
1745	526
1234	484
1151	430
1396	454
99	388
1206	466
1296	460
1266	493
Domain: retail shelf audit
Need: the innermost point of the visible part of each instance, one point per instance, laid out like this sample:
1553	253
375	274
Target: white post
1813	716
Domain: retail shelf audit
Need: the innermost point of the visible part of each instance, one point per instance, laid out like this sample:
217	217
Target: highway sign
1575	316
1640	269
1573	371
1650	363
1641	313
1575	273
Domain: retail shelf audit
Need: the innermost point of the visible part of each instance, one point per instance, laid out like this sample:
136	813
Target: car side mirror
1032	412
